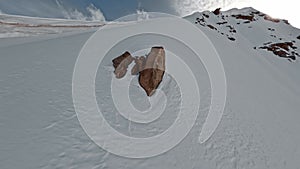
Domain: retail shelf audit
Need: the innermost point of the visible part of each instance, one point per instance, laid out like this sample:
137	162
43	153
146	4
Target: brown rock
282	49
255	12
211	27
221	23
121	64
269	18
285	45
153	72
244	17
217	11
139	65
231	38
205	15
286	22
280	53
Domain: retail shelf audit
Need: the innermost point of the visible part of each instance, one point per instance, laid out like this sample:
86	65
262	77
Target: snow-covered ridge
20	26
255	26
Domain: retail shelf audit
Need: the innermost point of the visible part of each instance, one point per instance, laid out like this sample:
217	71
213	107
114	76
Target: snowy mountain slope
263	90
258	28
259	129
16	26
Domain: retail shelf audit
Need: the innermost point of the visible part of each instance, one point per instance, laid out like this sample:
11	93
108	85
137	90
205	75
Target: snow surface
16	26
259	129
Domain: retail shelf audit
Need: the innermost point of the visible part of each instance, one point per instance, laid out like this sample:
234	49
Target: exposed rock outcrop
121	64
285	49
286	21
229	25
269	18
244	17
211	27
153	72
217	11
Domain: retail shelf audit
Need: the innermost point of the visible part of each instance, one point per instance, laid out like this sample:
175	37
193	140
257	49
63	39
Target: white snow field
259	129
21	26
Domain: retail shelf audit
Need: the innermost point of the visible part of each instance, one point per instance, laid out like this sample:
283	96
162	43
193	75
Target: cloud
93	13
142	15
186	7
182	7
164	6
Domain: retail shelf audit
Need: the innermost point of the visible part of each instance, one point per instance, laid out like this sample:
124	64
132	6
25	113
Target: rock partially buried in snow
150	69
121	64
217	11
244	17
269	18
285	49
153	72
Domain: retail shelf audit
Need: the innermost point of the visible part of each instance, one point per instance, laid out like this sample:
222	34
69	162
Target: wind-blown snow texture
16	26
259	129
67	9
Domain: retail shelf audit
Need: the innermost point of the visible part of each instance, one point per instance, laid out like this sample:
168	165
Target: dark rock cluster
202	20
244	17
284	49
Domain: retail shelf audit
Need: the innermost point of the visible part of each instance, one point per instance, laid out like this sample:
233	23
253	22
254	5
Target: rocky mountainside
262	31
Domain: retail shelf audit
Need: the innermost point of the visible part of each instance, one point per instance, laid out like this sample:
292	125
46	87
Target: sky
112	9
